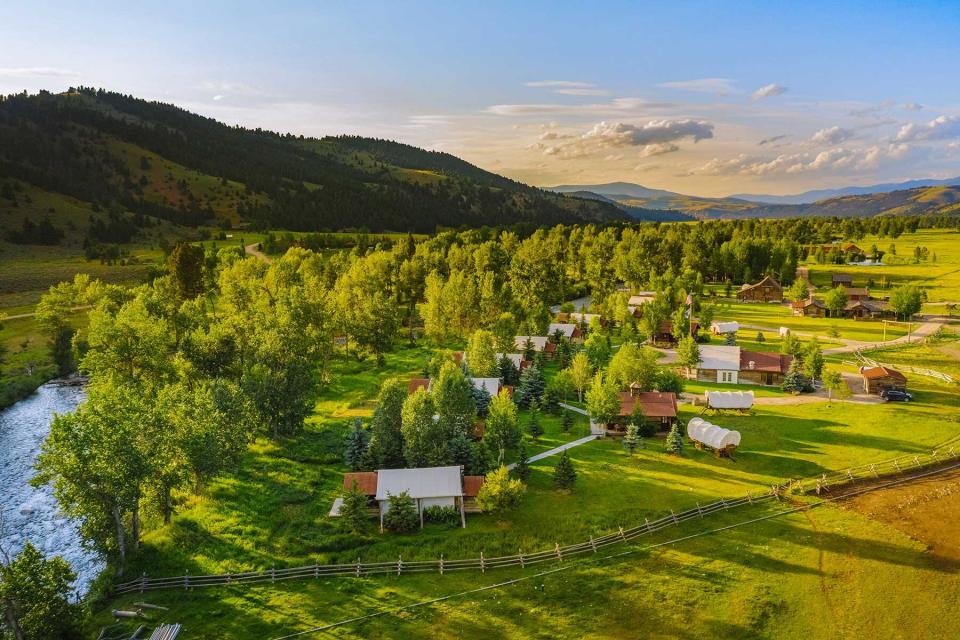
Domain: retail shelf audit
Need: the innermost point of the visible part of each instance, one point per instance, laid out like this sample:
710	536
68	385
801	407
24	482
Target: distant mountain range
808	197
913	197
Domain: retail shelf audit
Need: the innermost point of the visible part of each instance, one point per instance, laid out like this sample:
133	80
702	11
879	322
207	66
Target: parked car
892	395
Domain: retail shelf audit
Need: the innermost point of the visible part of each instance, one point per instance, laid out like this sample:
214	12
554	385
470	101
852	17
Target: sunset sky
705	98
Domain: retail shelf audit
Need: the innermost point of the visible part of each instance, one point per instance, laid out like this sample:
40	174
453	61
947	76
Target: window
726	376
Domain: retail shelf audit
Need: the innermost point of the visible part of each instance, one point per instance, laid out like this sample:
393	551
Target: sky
704	98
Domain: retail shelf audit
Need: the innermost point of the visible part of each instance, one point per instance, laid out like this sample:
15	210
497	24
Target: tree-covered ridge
156	159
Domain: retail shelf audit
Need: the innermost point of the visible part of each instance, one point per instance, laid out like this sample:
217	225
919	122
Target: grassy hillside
109	151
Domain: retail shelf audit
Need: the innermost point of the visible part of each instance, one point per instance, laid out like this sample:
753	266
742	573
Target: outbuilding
428	487
878	379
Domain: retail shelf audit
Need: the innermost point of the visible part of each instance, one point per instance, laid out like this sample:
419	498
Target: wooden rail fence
920	371
819	485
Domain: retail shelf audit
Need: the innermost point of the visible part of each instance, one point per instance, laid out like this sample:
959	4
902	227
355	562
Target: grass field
777	315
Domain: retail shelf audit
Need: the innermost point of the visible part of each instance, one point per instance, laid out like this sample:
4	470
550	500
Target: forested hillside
117	153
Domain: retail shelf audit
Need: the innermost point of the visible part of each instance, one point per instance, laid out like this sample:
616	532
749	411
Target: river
31	514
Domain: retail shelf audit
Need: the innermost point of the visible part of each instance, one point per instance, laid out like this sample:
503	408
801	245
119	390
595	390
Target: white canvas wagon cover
431	482
699	430
725	327
729	399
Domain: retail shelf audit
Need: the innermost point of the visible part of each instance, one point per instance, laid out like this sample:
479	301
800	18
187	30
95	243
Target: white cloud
911	106
582	92
566	84
941	128
614	106
872	110
36	72
831	135
833	160
718	86
656	137
769	91
218	97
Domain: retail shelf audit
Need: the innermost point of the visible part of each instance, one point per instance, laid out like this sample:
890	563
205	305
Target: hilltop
93	152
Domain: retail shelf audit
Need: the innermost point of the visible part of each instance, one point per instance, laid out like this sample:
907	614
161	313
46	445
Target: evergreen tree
730	339
401	515
675	441
760	337
566	422
794	381
356	446
481	397
386	448
522	467
482	459
462	450
508	371
632	440
534	428
532	384
353	511
564	475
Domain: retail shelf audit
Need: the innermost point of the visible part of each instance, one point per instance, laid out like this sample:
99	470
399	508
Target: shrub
443	515
401	515
499	491
564	475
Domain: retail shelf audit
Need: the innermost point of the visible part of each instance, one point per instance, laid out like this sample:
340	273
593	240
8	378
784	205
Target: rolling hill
808	197
937	199
116	157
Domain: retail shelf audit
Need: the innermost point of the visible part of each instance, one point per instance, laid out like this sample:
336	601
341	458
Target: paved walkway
570	407
553	452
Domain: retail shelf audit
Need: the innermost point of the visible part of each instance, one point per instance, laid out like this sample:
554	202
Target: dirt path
21	316
252	250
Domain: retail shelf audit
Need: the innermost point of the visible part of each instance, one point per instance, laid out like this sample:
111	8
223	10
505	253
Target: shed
841	280
762	367
658	406
428	487
570	331
880	378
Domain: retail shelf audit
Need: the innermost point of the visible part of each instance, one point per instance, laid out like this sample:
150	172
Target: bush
564	475
443	515
401	515
499	491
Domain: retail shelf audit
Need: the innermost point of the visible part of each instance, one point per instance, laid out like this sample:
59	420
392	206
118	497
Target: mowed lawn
774	316
823	574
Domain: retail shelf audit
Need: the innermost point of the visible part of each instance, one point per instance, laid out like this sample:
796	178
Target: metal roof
431	482
719	357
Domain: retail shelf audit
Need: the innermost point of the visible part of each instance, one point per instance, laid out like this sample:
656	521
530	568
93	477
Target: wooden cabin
658	406
812	307
877	379
767	290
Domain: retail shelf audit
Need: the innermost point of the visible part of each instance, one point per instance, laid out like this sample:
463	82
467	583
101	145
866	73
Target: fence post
399	564
557	549
674	516
593	544
273	573
916	459
186	580
143	581
646	521
873	470
723	502
896	463
952	453
316	568
441	564
483	565
850	475
700	511
522	565
358	566
750	497
622	537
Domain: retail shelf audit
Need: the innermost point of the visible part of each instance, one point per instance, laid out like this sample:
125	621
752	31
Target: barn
877	379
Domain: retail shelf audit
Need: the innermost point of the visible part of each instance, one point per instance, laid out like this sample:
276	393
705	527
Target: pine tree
566	423
675	441
632	440
356	446
730	339
760	338
564	475
794	381
482	398
523	466
531	387
534	428
401	515
482	459
462	450
353	511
